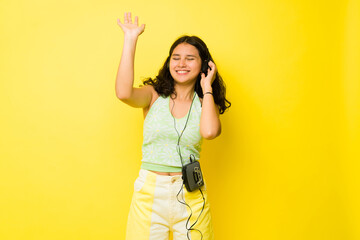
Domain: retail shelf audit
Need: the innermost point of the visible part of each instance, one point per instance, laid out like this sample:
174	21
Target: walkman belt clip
192	176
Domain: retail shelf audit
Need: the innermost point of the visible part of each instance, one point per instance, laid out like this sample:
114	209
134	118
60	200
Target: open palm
130	28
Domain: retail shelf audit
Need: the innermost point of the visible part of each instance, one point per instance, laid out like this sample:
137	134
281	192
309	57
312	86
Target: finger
125	18
211	64
119	22
136	20
130	20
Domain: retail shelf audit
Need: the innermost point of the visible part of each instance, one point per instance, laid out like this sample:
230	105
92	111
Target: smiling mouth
182	71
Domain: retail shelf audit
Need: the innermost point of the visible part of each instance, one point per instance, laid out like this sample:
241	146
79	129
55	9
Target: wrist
131	38
208	93
207	89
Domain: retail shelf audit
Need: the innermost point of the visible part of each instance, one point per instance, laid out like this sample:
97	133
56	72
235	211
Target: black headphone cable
181	189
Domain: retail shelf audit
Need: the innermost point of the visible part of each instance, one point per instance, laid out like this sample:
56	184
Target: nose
182	63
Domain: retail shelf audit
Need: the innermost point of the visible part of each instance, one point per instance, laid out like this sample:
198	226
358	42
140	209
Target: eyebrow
189	55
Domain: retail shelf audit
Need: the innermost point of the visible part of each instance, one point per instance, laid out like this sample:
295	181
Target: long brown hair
163	83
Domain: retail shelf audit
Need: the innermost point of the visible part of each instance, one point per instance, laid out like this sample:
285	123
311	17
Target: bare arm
135	97
210	125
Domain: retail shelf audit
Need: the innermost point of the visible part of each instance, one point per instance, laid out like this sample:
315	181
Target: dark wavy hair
163	83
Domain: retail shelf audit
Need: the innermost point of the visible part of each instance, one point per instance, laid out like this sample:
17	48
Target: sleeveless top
159	149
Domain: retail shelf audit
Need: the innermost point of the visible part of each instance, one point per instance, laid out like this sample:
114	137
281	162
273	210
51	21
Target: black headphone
205	66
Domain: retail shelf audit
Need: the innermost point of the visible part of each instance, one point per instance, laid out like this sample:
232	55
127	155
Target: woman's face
185	64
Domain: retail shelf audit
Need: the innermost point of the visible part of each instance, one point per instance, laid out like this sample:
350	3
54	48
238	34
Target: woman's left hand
206	82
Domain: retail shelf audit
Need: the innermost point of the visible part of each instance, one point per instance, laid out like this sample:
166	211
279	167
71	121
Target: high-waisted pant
155	211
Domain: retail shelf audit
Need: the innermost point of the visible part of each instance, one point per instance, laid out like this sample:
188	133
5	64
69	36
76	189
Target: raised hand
206	81
129	28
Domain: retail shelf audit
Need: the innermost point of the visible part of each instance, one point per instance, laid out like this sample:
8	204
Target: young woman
181	106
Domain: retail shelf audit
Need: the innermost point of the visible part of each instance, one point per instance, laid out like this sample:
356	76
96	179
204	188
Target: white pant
155	211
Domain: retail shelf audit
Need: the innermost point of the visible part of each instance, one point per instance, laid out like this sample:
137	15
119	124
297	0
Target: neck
184	93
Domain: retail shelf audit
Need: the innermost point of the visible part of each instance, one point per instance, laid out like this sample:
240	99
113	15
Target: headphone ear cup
205	66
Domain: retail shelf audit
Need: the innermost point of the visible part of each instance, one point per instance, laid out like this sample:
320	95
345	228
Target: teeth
182	71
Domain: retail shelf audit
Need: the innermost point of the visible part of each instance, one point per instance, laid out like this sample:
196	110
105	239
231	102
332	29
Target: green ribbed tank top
159	149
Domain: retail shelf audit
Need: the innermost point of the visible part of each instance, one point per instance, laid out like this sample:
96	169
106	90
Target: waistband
160	179
158	167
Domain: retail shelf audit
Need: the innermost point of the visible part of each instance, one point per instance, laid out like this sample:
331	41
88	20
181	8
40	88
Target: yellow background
286	166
